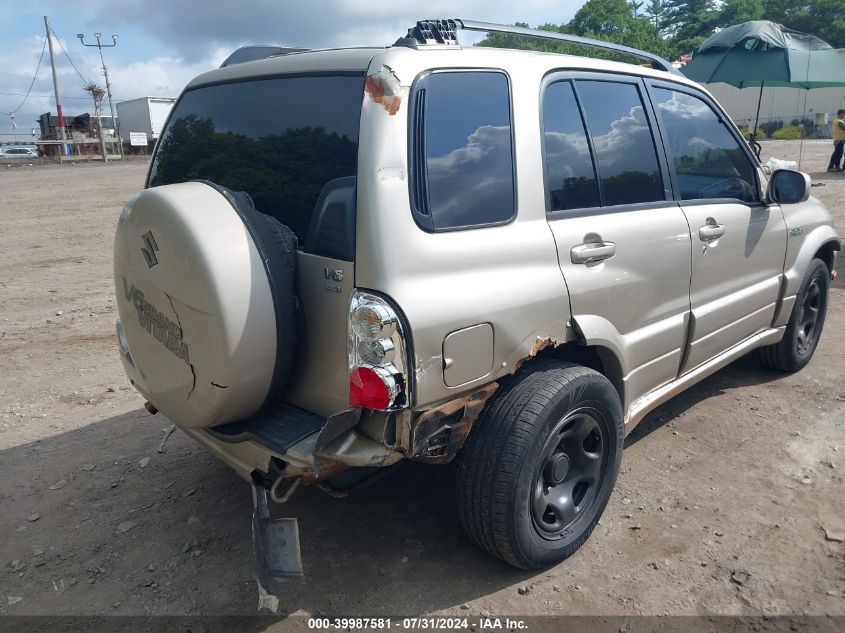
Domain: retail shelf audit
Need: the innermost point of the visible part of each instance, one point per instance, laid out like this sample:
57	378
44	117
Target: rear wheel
540	464
805	324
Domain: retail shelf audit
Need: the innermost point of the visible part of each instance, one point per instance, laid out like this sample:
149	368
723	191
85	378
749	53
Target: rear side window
709	161
570	172
622	141
462	150
283	140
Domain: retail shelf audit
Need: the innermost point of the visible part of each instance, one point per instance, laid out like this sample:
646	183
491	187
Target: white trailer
145	114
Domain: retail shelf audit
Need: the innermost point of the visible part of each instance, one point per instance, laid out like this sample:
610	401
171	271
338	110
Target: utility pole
101	46
56	89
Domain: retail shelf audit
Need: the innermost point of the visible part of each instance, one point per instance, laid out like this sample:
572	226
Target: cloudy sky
164	43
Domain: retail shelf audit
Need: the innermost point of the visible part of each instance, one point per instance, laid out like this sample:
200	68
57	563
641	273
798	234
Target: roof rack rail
440	32
253	52
431	32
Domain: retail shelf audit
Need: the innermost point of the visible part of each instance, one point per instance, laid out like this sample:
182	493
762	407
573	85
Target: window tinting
709	161
622	141
570	174
281	140
463	136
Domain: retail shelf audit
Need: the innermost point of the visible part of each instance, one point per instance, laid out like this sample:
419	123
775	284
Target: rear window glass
463	159
281	140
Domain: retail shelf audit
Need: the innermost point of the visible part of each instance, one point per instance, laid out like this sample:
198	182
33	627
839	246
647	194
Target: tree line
671	28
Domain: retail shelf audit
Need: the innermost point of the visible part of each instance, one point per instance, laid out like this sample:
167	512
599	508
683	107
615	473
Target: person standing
838	141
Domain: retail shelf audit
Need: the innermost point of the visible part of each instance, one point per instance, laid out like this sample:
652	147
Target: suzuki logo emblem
150	248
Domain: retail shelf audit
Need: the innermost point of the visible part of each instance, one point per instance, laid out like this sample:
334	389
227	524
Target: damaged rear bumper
297	442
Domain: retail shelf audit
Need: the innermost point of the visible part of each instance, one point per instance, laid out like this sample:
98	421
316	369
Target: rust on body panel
539	345
439	433
384	88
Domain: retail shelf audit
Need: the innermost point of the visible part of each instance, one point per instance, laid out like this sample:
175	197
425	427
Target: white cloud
621	148
163	75
191	26
195	35
472	179
160	76
568	155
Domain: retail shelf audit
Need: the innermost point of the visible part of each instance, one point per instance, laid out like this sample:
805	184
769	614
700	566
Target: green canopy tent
761	53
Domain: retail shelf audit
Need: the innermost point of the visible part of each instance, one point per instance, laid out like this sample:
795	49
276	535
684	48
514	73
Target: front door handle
711	231
592	252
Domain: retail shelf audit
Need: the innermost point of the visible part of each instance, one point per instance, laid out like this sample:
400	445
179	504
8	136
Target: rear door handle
710	232
592	252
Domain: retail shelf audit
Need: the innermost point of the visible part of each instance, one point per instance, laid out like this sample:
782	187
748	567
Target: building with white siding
781	104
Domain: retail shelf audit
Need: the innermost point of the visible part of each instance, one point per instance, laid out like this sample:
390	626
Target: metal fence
73	150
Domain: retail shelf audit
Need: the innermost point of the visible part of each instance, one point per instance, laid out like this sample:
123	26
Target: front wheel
540	464
805	324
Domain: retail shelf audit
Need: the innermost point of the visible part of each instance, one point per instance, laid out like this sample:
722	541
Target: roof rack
251	53
444	32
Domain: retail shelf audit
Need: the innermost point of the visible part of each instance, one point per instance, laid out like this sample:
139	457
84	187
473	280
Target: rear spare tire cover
205	292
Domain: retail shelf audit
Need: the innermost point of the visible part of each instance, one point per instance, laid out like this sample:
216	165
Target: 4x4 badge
150	248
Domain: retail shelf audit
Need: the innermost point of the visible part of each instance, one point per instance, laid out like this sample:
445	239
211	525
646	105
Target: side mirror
789	187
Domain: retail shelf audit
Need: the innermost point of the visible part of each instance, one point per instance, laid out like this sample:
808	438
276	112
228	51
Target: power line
58	39
21	94
34	77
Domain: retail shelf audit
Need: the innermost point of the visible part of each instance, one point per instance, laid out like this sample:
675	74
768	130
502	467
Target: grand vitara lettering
163	329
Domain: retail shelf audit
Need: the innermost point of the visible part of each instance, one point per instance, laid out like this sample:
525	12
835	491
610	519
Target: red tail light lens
367	389
377	354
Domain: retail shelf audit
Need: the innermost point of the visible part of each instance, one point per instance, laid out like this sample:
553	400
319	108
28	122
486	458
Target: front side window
709	161
462	150
622	141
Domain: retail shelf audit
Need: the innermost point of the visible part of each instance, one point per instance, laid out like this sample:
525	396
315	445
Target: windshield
281	140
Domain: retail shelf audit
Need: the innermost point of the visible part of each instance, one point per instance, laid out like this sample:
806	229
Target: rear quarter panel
507	276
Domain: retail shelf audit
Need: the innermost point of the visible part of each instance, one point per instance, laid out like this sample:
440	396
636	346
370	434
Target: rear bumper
308	445
244	457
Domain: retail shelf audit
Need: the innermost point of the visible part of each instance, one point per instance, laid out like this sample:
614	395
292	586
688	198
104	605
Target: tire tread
781	356
493	456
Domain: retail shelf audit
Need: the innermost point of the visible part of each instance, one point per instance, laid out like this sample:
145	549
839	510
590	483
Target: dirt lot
720	508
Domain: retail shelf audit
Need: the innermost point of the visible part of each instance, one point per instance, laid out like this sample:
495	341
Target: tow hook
276	546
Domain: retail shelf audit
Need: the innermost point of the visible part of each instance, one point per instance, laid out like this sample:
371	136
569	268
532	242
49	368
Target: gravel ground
730	499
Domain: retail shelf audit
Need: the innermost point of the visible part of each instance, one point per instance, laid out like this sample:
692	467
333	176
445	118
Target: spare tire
206	296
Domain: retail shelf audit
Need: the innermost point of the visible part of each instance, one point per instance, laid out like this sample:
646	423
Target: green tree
690	22
606	18
822	18
609	20
655	11
503	40
617	21
738	11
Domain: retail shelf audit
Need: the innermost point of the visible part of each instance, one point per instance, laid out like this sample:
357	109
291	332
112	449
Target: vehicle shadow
172	536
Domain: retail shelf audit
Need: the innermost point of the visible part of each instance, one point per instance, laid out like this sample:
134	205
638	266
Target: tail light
377	355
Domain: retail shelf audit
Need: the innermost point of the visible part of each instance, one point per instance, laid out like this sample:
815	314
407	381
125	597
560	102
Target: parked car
14	152
347	258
